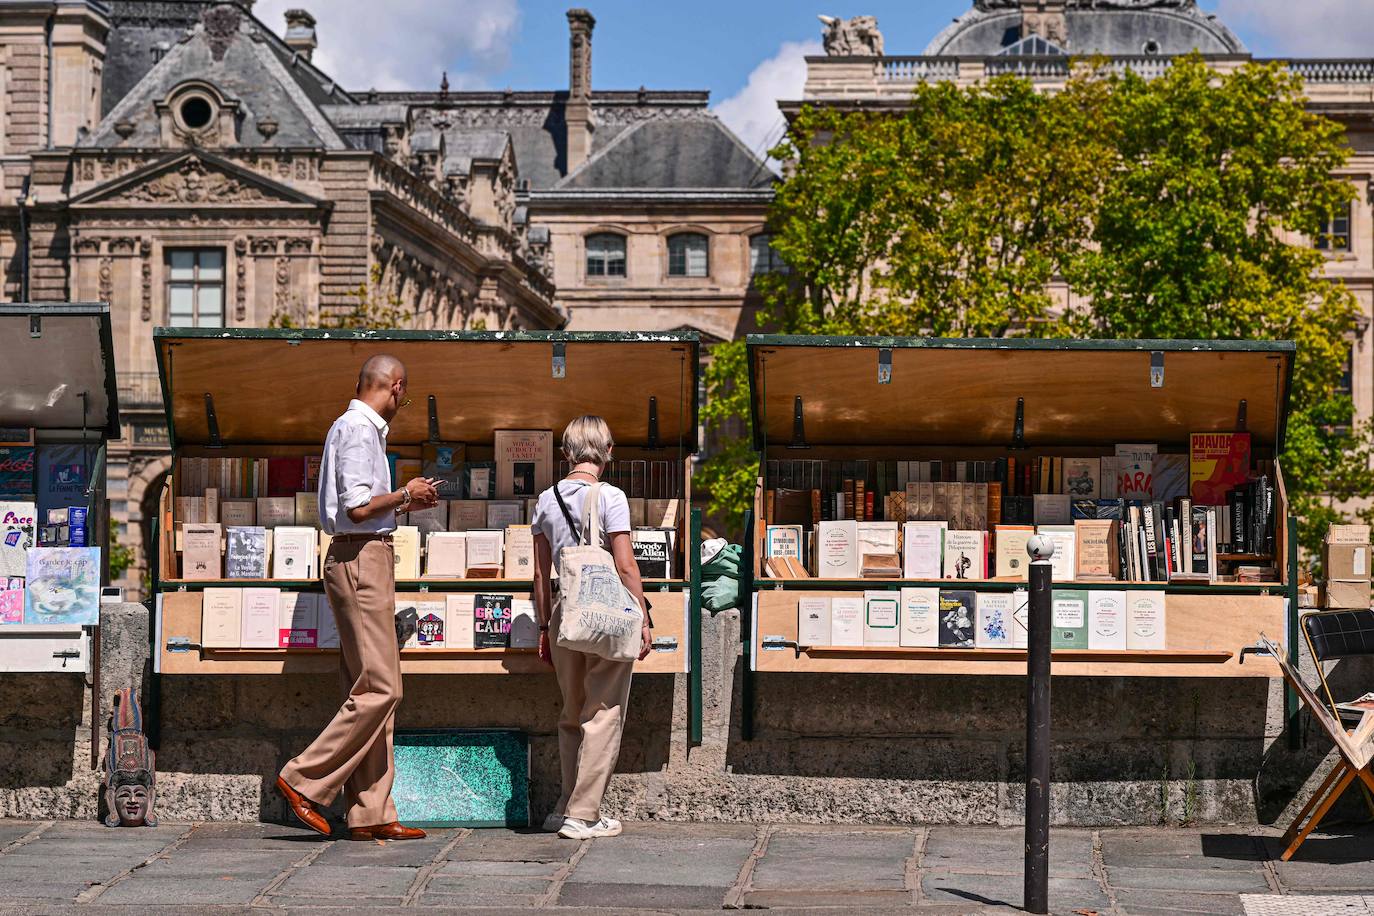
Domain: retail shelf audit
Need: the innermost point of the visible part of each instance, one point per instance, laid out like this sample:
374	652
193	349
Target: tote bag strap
567	513
591	515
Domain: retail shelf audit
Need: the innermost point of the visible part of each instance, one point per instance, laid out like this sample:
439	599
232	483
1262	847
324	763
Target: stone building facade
191	166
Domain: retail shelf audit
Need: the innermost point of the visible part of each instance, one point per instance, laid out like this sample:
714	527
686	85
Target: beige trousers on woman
353	753
595	691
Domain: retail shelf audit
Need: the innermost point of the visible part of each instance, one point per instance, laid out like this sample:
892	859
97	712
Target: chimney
578	115
300	33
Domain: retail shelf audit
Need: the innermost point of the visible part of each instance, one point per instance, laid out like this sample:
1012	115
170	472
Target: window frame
606	274
196	283
1327	234
775	263
686	273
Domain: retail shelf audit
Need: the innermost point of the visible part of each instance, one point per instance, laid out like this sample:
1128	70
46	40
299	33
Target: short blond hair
587	438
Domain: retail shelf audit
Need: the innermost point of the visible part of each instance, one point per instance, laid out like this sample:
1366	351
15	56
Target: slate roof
698	152
1167	29
463	146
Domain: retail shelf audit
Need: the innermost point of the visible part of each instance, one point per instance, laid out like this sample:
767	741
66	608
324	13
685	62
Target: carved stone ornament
192	183
130	767
145	251
221	27
240	278
988	5
856	37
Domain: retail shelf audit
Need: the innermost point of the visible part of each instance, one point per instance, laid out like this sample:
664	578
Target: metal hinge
884	366
560	360
181	644
665	644
778	643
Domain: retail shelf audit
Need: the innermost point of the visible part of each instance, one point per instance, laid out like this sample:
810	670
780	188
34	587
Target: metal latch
777	643
1156	368
65	654
665	644
181	644
884	366
560	360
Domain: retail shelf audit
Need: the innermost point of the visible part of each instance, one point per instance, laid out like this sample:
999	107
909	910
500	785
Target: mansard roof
232	52
691	153
461	147
1111	27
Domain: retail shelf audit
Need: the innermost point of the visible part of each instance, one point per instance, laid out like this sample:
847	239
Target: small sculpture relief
856	37
130	767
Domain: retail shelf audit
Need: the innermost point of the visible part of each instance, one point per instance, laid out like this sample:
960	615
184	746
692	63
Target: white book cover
430	520
447	556
837	550
459	610
965	555
241	513
882	611
298	620
1137	451
783	541
1082	478
878	537
1107	619
405	543
920	618
847	621
813	621
259	629
1065	540
431	623
524	630
1145	621
18	527
923	549
485	549
328	637
505	513
1020	619
994	626
519	552
293	553
221	618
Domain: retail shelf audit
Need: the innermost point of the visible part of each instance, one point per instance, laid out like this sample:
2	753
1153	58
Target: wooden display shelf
1070	655
858	585
404	585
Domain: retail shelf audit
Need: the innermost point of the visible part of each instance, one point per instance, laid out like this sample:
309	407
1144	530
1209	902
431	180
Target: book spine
1151	546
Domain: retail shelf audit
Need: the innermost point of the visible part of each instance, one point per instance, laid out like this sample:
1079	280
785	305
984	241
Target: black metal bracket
1240	415
560	360
1018	429
776	643
652	437
798	425
1253	650
885	366
35	325
433	419
1156	368
212	422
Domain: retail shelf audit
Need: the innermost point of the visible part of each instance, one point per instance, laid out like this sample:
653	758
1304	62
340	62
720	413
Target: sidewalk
70	867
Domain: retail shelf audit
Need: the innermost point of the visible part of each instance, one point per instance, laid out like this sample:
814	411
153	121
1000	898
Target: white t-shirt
549	521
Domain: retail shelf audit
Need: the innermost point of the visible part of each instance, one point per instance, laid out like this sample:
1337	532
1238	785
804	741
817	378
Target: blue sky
747	53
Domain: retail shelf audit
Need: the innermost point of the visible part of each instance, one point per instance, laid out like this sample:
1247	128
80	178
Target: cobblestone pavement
69	867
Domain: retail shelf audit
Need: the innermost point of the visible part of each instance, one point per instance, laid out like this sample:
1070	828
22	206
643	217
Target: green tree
121	555
373	307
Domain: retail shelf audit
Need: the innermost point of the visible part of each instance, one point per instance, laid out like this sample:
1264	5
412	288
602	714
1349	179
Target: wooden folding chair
1355	748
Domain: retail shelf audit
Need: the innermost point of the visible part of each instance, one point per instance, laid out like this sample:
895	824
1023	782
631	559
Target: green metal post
694	691
746	629
1291	707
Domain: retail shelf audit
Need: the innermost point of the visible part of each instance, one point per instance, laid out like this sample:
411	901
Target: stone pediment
194	179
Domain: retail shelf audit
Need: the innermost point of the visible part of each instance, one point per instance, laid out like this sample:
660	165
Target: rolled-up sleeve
353	467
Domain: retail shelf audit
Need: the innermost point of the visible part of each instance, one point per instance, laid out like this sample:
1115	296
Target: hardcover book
259	630
459	615
1145	621
1069	612
1218	462
443	461
524	631
18	523
881	614
221	618
431	623
958	611
298	620
485	550
524	462
994	624
285	476
491	621
467	514
837	551
881	566
1081	478
519	552
242	513
1053	509
783	541
328	637
1107	620
211	504
504	513
1095	549
923	549
200	551
447	555
276	510
878	537
62	586
479	480
920	617
17	469
1169	477
307	510
654	550
1134	479
846	621
1009	547
405	544
813	621
293	553
430	520
965	555
1064	562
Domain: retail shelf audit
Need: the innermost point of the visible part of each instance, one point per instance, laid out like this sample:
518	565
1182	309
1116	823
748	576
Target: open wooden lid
285	387
964	392
54	354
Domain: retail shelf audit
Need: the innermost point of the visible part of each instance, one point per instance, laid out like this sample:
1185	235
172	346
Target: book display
59	408
908	474
240	545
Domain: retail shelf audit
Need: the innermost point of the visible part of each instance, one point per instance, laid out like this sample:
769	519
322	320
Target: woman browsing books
574	516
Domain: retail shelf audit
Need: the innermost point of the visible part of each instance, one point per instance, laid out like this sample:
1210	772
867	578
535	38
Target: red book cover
1217	463
284	476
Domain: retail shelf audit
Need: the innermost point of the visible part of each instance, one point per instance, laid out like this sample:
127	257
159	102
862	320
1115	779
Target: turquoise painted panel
462	778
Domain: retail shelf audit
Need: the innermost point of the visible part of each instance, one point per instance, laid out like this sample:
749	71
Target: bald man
358	507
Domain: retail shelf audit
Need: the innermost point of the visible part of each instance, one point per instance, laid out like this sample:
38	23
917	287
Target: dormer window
195	112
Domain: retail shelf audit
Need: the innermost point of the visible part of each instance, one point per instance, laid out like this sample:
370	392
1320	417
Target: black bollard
1039	625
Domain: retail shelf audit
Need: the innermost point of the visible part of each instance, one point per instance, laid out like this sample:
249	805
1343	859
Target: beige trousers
595	692
353	753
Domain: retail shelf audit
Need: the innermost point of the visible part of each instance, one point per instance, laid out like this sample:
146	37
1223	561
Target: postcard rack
826	399
262	394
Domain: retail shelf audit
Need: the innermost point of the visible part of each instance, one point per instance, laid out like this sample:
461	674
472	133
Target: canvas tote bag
598	615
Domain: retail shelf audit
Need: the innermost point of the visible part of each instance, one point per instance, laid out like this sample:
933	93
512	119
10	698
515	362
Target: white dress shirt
353	470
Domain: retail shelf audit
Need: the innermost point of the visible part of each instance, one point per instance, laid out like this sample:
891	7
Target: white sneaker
576	829
554	822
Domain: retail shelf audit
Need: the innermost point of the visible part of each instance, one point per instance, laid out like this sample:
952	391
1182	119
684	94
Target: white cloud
406	44
1312	28
752	113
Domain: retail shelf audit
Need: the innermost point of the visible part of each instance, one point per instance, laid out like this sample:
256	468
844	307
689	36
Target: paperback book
443	462
920	617
491	618
246	553
62	586
524	462
957	619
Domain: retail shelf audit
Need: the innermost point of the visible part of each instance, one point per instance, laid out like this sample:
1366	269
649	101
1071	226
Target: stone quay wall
825	748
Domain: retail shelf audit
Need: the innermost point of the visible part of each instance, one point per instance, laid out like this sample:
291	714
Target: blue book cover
62	477
62	586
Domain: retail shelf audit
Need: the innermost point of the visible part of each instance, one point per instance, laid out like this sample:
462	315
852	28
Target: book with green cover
1069	617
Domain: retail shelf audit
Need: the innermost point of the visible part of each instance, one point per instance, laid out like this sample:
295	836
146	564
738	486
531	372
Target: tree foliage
373	307
1176	207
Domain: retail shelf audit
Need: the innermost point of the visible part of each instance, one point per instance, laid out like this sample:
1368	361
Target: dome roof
1111	27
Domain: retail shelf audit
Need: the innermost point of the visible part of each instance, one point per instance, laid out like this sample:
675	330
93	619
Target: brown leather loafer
392	831
303	808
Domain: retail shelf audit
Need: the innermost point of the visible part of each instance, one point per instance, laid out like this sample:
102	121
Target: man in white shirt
358	507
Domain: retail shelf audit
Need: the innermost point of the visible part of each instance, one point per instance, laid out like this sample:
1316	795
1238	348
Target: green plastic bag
720	577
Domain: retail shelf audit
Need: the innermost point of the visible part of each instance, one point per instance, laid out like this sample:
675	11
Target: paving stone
1001	851
43	886
1357	846
865	900
1147	901
694	855
184	890
1324	874
1066	894
224	862
470	906
1199	862
1187	879
113	847
344	881
297	904
252	836
13	830
393	852
487	885
676	896
509	846
835	860
1124	844
514	869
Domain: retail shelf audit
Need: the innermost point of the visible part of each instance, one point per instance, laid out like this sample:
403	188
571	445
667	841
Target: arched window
687	255
605	255
762	258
